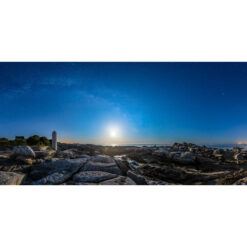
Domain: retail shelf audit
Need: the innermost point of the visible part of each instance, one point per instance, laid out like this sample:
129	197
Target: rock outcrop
181	163
23	151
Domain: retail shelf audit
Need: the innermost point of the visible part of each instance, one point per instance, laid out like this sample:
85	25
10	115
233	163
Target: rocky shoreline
77	164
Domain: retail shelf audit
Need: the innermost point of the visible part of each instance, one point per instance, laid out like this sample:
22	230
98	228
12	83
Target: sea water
220	146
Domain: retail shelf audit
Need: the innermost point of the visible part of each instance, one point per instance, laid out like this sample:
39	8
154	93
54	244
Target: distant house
19	138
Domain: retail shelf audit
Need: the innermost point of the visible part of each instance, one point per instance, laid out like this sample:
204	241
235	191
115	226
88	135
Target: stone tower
54	140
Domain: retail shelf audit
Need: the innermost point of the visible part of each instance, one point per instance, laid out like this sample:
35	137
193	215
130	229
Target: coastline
88	164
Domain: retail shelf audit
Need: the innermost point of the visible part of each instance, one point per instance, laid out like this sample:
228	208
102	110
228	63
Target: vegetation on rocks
34	140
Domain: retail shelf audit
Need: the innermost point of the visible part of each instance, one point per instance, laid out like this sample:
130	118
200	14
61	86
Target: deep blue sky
145	102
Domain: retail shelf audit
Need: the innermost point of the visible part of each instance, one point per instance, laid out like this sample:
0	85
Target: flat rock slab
104	167
92	176
11	178
83	156
65	164
54	178
120	180
59	171
102	159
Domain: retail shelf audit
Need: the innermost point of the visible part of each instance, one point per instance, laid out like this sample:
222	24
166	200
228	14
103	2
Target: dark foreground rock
11	178
57	172
137	178
75	164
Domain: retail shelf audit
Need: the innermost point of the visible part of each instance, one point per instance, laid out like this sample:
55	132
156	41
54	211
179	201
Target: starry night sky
145	102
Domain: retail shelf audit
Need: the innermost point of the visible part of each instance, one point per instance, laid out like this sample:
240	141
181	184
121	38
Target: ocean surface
221	146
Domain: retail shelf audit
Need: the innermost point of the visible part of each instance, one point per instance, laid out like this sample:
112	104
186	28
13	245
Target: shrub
4	140
33	140
19	142
44	141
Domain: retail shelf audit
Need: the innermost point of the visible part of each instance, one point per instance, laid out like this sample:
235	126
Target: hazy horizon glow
125	103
